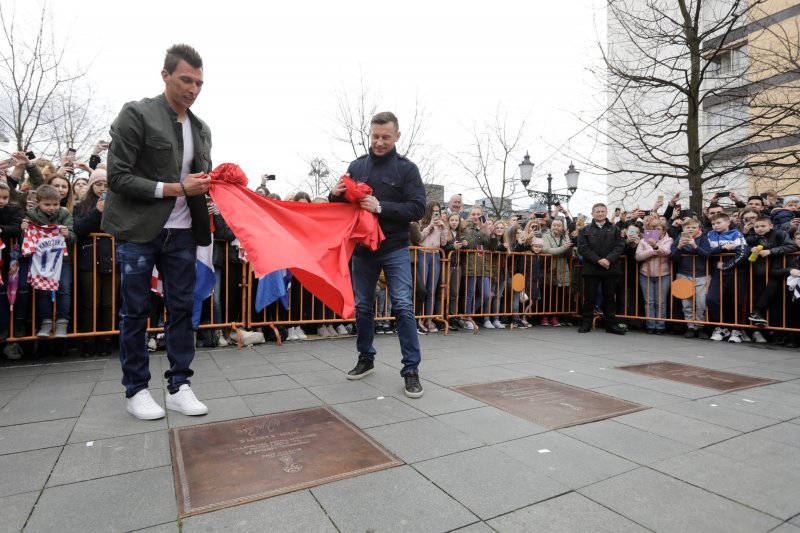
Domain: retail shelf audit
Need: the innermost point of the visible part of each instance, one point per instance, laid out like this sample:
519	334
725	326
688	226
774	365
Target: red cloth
314	241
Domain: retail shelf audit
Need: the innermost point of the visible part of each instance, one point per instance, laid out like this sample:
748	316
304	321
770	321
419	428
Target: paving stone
26	471
314	365
37	404
770	395
110	457
491	425
118	503
643	495
206	376
786	433
761	407
676	427
478	527
24	437
753	487
15	382
229	362
639	394
171	527
441	401
406	500
279	401
468	376
378	412
759	452
489	483
250	372
15	511
708	410
426	438
7	396
298	512
264	384
23	370
296	354
676	388
792	387
569	513
321	377
345	392
567	460
218	410
786	528
633	444
106	417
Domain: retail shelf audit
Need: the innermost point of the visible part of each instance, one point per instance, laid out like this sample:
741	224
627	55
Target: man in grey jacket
155	207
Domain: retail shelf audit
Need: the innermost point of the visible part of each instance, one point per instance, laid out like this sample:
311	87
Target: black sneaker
379	329
690	333
701	334
585	328
756	318
421	330
365	367
453	323
413	386
617	329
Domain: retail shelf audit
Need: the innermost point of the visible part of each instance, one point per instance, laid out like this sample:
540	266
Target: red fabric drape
313	241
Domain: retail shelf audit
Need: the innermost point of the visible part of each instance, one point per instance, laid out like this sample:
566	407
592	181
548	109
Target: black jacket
778	243
397	185
596	243
85	225
10	225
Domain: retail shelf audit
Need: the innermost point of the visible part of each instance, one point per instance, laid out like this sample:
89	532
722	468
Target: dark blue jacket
397	185
691	262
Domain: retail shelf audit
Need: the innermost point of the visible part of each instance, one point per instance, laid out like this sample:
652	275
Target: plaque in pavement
237	461
699	376
549	403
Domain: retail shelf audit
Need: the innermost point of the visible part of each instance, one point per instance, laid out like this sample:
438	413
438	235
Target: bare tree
319	180
491	161
689	102
46	103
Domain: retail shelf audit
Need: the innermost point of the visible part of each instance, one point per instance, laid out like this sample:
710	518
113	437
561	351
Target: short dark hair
759	198
385	117
47	192
764	218
713	205
176	52
600	204
720	216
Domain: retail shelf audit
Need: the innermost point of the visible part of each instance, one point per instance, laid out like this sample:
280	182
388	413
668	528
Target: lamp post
550	198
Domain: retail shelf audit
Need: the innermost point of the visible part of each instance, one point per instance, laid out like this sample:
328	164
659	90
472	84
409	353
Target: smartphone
685	235
723	194
71	151
104	196
483	219
646	213
652	234
30	155
685	213
633	231
661	198
539	215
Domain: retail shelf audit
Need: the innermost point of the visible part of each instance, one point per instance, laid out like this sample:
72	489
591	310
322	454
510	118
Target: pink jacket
433	237
654	262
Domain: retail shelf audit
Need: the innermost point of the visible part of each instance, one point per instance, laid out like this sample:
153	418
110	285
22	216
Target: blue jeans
428	268
173	252
478	287
396	268
217	296
44	299
655	290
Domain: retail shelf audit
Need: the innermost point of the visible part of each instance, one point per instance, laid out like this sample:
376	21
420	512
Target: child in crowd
792	308
654	273
770	245
480	238
434	235
727	289
455	241
690	252
518	241
10	220
558	244
498	278
51	264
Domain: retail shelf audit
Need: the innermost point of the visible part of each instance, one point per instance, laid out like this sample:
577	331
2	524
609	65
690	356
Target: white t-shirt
180	216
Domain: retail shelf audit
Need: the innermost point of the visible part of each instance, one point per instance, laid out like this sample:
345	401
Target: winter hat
791	199
97	175
538	241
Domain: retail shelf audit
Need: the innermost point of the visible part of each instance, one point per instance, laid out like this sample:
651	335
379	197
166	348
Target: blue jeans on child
655	290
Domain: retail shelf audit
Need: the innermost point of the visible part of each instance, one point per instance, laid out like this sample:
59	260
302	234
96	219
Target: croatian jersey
47	248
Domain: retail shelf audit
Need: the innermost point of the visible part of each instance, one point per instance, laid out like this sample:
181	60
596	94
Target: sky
273	71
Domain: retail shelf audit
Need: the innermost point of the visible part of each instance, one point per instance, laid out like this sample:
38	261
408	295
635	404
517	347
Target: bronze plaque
697	375
549	403
238	461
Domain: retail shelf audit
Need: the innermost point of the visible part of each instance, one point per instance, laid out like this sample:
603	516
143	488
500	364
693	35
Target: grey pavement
72	458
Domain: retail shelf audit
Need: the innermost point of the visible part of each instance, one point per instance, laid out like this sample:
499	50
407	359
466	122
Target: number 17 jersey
47	248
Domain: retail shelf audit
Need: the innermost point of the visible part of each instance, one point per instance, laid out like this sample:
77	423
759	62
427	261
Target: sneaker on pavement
756	318
689	333
736	336
341	330
378	328
222	342
144	407
152	345
488	324
301	335
364	367
701	334
422	330
291	334
555	323
545	321
331	331
322	331
720	334
46	329
758	338
585	327
250	338
745	336
497	324
184	401
432	328
617	329
468	325
526	324
61	328
454	324
12	351
413	386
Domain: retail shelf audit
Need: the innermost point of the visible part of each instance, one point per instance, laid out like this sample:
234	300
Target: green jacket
62	217
559	265
147	147
478	264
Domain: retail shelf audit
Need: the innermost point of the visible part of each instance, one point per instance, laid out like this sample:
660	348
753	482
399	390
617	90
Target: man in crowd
156	209
398	198
455	205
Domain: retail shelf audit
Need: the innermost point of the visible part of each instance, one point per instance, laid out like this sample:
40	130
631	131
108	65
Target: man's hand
19	159
734	198
674	199
63	230
99	147
339	188
196	184
83	165
764	253
605	263
368	203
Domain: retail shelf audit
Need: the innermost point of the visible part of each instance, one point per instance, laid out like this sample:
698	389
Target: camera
268	177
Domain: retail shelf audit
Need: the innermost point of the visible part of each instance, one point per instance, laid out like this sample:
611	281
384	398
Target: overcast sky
273	70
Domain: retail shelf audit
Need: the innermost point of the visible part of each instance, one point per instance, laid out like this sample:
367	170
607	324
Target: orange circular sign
518	282
683	288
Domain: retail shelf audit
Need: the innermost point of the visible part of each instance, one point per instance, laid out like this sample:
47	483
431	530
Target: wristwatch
378	209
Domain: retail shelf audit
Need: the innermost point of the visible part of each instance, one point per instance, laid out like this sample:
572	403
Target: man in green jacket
155	207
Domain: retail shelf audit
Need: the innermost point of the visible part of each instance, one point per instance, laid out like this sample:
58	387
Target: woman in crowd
652	253
455	242
557	244
480	238
434	235
497	278
64	188
79	187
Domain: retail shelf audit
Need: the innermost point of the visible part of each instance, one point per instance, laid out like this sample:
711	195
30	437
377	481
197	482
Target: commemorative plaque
237	461
699	376
549	403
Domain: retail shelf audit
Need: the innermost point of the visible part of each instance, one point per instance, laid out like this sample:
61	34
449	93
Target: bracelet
183	188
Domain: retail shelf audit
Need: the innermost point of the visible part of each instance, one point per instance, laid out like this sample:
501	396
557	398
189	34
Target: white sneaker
250	338
184	401
46	329
488	324
736	336
61	328
720	334
468	325
498	325
152	345
341	330
291	334
525	323
301	335
331	331
322	331
12	351
758	337
221	341
144	407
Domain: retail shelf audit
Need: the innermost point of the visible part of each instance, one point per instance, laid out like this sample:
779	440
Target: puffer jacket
478	264
559	266
654	262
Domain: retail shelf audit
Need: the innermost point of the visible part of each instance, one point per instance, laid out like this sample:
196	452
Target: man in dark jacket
398	198
600	244
156	208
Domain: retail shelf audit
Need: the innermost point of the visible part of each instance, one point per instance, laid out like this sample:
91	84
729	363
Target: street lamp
550	198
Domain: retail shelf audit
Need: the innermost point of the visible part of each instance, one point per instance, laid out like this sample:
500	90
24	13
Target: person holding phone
652	253
690	253
158	164
481	238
